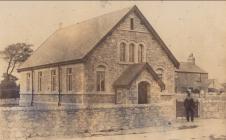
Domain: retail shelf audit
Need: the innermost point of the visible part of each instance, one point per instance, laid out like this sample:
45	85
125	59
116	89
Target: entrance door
143	88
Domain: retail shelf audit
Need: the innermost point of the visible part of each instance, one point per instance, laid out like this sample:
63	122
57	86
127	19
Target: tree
14	55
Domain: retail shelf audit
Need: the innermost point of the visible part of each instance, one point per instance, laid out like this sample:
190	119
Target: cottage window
28	81
53	80
140	53
131	24
100	81
123	52
69	79
159	72
40	81
131	52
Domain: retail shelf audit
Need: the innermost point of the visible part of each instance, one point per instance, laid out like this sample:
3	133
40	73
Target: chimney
191	58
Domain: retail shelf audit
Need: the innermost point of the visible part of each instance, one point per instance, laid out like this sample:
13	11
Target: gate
180	110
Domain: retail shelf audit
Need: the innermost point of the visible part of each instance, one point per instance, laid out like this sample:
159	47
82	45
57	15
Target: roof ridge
95	17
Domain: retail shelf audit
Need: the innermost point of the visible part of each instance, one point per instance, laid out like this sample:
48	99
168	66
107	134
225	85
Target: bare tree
15	54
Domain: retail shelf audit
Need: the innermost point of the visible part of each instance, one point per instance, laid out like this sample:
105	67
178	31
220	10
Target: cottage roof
75	42
190	67
130	74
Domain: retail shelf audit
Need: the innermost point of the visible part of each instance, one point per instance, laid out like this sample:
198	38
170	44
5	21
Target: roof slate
189	67
75	42
130	74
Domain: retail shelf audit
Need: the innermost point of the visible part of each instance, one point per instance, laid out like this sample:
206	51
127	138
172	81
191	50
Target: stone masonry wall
213	106
107	54
77	80
210	106
20	123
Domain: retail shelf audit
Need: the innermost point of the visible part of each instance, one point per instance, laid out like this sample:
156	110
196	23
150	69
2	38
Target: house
191	76
116	58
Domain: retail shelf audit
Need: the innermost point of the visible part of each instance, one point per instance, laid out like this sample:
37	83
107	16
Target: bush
9	89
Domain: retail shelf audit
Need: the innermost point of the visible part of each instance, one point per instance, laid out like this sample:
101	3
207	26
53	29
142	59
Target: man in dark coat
189	105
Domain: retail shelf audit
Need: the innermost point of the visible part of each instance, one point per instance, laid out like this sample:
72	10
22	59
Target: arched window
100	81
159	72
131	24
122	52
131	52
140	53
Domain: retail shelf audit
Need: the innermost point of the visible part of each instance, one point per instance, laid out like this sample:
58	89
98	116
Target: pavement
201	129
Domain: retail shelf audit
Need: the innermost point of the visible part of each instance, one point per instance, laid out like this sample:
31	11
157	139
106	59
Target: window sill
129	63
167	94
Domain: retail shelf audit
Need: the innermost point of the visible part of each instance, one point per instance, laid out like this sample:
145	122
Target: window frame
53	80
28	81
122	54
140	52
160	69
69	79
131	23
132	52
101	78
40	74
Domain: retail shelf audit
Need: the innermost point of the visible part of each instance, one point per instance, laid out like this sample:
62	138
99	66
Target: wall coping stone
78	107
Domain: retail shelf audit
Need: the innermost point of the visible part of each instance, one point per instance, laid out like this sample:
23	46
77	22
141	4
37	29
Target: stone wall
64	99
107	54
25	122
9	102
210	105
213	106
77	80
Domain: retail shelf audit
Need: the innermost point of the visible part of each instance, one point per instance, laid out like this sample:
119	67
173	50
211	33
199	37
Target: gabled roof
75	42
132	72
190	68
213	83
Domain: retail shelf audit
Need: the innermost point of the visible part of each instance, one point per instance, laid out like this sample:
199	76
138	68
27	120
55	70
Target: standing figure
189	105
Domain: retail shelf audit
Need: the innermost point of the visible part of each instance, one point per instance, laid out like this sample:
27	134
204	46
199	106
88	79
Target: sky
197	27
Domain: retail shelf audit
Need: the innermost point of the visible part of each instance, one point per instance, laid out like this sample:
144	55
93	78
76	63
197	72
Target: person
189	105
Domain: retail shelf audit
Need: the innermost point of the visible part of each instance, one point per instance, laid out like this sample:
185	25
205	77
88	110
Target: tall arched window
140	53
122	51
100	81
131	52
159	72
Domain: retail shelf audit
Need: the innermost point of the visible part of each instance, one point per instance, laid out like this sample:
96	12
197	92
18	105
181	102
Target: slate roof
131	73
189	67
75	42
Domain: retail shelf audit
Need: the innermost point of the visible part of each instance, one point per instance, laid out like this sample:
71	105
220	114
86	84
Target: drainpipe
32	87
59	87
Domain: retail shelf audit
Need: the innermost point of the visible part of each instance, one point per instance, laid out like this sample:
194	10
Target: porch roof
131	73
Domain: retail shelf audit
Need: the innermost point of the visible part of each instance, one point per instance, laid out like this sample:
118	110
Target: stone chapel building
116	58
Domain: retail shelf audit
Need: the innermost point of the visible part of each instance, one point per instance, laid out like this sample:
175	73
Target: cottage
116	58
191	76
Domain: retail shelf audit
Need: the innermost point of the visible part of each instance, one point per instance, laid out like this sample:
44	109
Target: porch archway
143	91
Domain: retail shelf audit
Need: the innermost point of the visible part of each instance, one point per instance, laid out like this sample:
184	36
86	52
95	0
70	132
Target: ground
201	129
